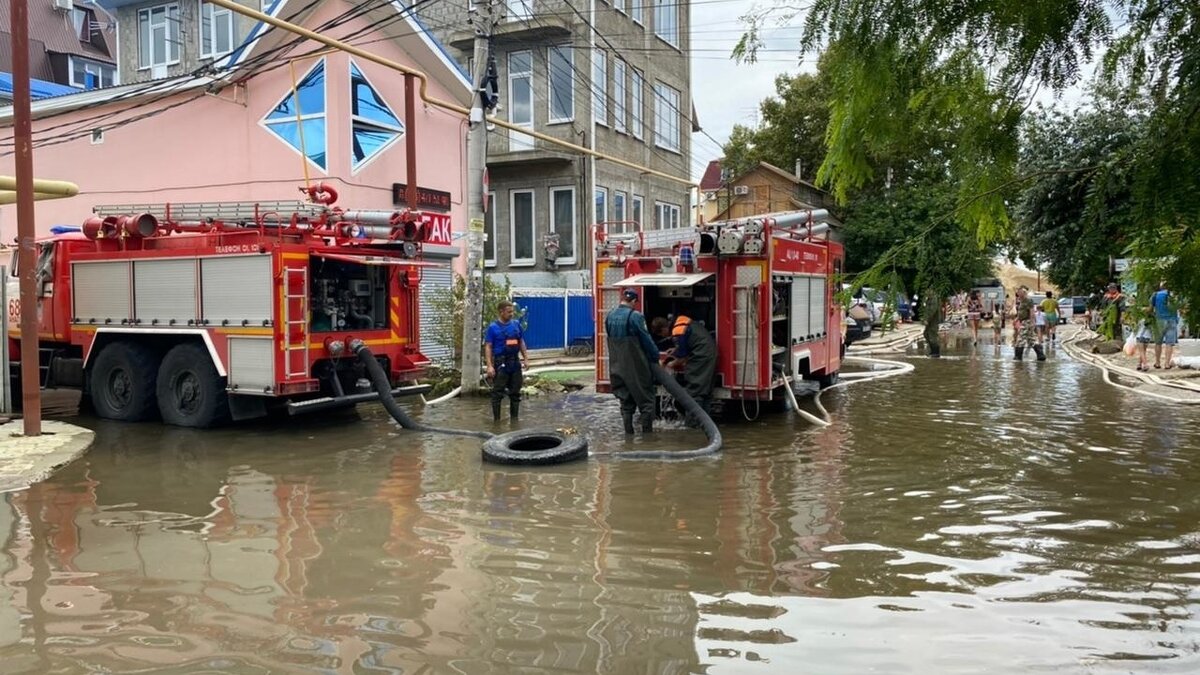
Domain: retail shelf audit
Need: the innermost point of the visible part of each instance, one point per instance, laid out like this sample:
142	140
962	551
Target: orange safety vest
680	327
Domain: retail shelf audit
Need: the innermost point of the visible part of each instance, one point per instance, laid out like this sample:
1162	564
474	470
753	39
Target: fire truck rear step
329	402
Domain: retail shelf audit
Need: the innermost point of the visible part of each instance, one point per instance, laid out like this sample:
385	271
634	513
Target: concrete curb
25	460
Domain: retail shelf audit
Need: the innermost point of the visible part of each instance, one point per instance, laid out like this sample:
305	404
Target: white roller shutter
434	281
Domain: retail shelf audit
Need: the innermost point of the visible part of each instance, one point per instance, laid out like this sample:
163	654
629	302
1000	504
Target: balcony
536	29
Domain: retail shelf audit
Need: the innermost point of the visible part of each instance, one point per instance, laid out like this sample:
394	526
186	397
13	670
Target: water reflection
978	514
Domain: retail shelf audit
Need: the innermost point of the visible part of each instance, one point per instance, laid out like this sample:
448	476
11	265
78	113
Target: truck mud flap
331	402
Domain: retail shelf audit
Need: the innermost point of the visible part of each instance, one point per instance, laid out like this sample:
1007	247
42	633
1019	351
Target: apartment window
600	87
635	11
520	217
619	5
489	231
562	204
216	30
520	98
619	71
666	21
601	205
158	36
636	215
666	117
561	66
373	125
519	10
666	216
638	85
80	19
91	75
299	117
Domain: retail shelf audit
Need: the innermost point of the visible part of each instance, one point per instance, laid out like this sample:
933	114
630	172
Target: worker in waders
505	354
631	350
695	354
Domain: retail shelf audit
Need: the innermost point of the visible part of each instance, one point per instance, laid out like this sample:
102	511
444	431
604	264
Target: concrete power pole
485	22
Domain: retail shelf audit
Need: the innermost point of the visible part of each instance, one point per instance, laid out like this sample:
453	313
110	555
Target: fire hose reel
729	242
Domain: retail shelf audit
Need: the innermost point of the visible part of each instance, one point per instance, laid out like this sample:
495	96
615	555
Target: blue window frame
299	117
373	125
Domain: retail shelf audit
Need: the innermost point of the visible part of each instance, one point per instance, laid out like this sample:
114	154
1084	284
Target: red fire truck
763	285
198	313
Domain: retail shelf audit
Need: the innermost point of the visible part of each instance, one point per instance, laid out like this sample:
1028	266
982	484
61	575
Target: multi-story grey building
611	75
168	38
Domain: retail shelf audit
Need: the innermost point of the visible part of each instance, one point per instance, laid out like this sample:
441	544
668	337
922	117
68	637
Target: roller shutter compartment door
435	281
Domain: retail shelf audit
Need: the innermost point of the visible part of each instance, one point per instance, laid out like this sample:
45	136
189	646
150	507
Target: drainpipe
410	140
591	130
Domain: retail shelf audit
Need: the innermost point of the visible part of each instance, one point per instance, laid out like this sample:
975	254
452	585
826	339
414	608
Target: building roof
712	176
38	88
56	30
783	174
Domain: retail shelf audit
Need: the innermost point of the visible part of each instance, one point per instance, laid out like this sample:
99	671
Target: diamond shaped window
299	118
373	125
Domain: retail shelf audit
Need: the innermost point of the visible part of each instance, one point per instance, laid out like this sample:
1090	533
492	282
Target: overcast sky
725	92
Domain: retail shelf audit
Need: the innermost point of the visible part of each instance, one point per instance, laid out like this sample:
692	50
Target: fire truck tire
190	391
534	446
827	381
122	382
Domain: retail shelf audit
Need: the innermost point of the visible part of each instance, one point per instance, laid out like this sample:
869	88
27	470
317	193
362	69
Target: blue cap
630	294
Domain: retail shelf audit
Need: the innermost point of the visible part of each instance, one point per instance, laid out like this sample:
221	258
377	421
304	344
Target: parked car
1079	305
878	303
856	329
1066	309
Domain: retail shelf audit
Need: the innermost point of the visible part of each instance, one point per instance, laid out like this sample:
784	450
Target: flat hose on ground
689	404
379	380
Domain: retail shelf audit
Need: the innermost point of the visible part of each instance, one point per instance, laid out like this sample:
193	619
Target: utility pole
483	16
31	394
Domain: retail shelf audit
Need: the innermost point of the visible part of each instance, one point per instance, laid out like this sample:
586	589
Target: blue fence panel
553	324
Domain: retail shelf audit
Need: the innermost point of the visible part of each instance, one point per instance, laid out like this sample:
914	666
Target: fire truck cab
201	313
764	286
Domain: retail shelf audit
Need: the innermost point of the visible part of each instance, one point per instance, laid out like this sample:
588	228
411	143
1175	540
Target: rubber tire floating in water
534	446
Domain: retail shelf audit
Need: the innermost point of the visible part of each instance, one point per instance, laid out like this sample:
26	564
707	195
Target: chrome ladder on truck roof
226	212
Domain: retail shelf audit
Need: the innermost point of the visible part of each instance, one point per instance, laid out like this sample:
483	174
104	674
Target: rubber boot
1040	354
647	421
514	409
495	411
627	419
1018	353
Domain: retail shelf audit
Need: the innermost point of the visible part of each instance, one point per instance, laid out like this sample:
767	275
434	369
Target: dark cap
1112	286
630	294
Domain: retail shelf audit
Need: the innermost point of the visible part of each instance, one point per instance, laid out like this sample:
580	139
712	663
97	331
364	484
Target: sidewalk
25	460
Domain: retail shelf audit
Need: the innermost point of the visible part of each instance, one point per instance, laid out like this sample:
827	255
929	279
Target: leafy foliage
1077	211
792	129
447	327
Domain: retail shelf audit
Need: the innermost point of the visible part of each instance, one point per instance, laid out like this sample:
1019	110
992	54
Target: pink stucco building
253	130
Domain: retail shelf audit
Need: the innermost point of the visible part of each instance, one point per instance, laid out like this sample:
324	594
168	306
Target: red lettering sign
437	229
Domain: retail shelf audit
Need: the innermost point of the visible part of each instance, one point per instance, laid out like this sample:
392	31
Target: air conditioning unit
737	189
64	5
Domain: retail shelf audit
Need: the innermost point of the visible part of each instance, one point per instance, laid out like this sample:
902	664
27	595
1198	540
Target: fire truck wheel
827	381
190	391
534	446
122	382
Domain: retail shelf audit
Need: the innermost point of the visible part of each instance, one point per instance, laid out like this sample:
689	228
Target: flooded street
978	515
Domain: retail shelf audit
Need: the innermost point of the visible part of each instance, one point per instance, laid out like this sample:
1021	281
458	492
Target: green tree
1073	219
792	128
447	306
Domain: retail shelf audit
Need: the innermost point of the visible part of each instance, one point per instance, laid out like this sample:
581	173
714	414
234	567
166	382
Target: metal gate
435	282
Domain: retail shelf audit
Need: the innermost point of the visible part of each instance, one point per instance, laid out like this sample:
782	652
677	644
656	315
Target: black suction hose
689	404
379	380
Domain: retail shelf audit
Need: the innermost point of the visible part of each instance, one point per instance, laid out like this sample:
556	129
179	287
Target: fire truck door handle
245	322
191	322
224	322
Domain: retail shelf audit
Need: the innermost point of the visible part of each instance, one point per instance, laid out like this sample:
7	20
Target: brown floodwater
977	515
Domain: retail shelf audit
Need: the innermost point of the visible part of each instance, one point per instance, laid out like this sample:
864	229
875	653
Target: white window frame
601	194
667	30
638	104
518	10
619	5
637	12
666	117
620	202
637	204
565	260
490	243
551	95
515	140
514	261
170	28
94	65
218	14
355	168
620	88
667	216
600	87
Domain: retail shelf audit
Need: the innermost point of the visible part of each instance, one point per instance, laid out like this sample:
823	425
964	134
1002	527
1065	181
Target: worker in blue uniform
631	350
505	354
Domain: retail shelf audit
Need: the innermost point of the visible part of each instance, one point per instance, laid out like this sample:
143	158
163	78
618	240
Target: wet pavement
978	515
